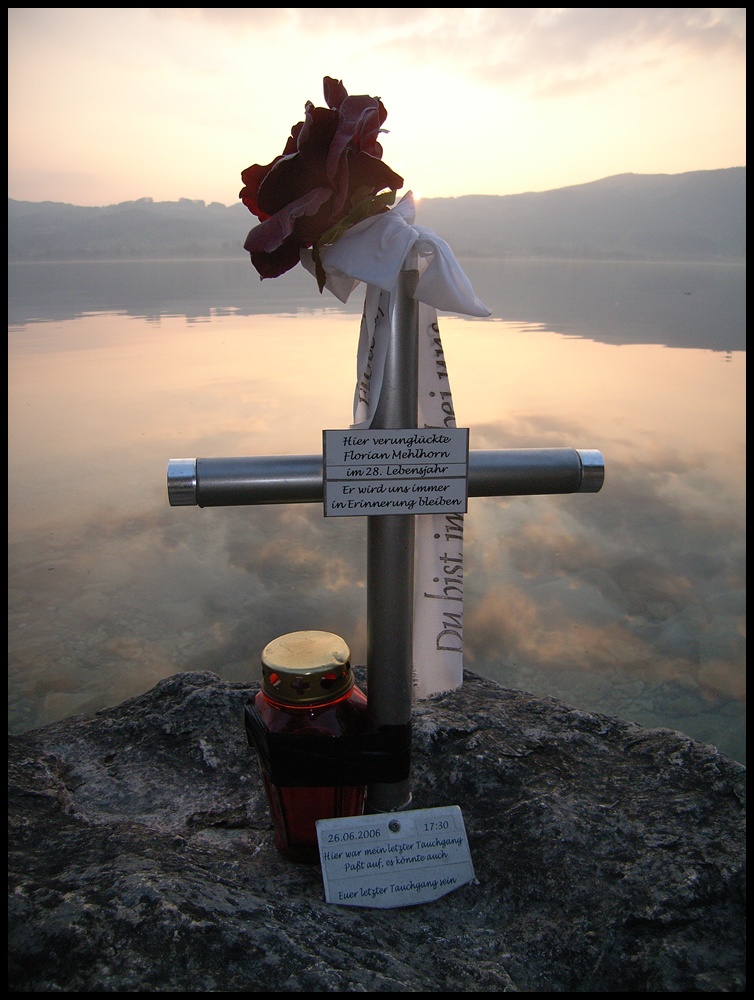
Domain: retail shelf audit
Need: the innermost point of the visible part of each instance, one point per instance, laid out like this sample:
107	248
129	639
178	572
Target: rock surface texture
609	858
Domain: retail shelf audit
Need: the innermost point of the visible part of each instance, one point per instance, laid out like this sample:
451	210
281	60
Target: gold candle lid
304	668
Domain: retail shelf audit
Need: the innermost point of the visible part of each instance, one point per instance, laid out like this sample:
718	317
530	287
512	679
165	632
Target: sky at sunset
110	104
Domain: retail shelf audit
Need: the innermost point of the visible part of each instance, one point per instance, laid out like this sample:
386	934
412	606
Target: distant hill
142	229
693	216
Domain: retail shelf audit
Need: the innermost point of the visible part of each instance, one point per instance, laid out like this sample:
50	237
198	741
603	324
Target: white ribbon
375	251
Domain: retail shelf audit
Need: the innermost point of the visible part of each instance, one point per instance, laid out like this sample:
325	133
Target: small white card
394	859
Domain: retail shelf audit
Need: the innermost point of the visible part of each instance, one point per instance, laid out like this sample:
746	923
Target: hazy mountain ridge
700	215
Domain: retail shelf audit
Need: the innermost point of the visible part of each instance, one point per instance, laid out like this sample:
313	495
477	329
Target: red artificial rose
330	172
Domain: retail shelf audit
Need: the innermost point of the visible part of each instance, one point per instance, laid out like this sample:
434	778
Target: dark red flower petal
273	264
252	178
292	144
295	174
368	170
286	180
330	168
335	92
358	174
358	126
316	133
280	226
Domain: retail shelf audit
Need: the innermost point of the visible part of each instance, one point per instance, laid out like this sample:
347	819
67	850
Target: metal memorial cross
220	482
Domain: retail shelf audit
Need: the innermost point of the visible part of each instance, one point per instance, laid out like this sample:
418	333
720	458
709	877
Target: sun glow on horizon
501	102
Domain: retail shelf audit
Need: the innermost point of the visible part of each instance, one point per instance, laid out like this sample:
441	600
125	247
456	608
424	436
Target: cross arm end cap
182	482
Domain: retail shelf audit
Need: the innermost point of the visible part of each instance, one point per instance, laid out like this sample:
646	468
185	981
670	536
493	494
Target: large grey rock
608	857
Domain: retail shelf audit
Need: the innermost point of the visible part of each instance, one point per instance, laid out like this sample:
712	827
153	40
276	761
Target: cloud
558	50
542	45
549	48
195	90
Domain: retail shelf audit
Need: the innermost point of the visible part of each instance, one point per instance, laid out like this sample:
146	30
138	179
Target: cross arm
229	482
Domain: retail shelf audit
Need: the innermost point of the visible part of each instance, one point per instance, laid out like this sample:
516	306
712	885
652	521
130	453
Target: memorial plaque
411	471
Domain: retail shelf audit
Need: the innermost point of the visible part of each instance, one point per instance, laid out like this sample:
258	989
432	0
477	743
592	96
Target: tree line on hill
695	216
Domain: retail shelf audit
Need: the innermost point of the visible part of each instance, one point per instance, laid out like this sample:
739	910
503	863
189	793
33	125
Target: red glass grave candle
308	689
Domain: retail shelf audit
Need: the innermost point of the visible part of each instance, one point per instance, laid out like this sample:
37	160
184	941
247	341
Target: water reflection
618	302
631	601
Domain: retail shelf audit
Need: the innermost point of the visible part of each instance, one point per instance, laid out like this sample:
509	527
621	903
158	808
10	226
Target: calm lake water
630	601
